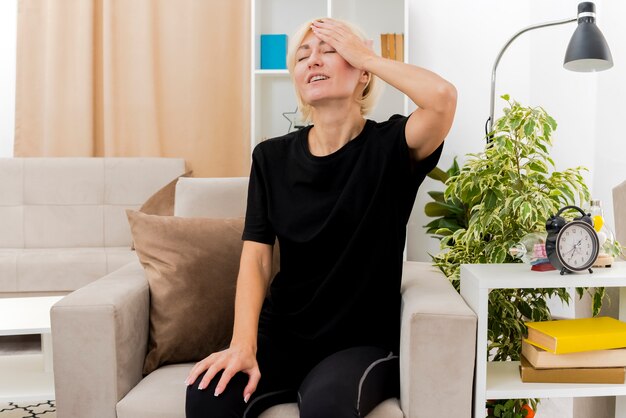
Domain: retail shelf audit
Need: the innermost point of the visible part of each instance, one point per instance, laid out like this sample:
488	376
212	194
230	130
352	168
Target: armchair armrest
99	339
437	346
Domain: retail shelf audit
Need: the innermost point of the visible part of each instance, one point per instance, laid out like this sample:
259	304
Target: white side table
501	380
27	377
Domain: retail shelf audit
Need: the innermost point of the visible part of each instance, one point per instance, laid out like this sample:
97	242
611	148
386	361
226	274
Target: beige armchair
100	335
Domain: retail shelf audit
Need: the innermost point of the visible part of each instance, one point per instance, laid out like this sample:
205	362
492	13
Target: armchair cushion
191	265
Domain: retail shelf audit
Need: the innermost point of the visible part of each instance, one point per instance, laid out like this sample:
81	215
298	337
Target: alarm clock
571	246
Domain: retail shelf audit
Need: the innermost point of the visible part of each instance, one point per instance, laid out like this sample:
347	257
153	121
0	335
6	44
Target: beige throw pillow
191	265
162	202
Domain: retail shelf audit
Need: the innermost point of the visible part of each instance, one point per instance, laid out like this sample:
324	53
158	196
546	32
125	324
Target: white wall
8	30
460	41
610	135
568	96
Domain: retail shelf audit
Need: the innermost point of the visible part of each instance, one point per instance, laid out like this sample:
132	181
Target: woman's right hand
232	360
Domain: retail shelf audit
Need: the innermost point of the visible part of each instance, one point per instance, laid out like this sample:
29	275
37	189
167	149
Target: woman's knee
349	383
204	404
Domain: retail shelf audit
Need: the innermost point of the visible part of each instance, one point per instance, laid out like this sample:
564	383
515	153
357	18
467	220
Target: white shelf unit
27	377
501	380
24	378
271	91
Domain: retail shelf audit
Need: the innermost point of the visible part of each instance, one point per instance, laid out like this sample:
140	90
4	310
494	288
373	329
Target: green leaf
525	211
498	255
525	309
451	224
538	166
433	209
491	200
556	192
597	300
438	174
443	232
506	97
454	170
434	224
436	195
542	147
568	193
552	123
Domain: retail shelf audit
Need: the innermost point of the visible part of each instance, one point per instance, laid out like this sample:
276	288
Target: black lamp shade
587	50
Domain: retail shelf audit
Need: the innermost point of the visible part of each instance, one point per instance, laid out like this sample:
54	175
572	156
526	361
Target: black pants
347	383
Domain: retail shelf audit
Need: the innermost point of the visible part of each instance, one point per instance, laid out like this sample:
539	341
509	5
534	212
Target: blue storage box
274	52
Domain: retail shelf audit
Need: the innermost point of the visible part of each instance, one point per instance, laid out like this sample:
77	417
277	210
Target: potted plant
489	204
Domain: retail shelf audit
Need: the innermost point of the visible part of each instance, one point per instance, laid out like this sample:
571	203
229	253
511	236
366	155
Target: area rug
43	409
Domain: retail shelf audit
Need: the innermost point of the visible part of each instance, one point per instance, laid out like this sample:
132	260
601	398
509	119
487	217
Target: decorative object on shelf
585	341
295	120
531	249
542	359
608	248
577	335
530	411
571	246
587	50
392	46
529	374
273	51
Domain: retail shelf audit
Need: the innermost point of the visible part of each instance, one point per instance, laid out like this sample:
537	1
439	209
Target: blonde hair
371	92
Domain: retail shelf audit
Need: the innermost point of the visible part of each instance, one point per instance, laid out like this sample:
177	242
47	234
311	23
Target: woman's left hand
347	44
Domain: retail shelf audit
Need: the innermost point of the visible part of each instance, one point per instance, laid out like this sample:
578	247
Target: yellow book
576	335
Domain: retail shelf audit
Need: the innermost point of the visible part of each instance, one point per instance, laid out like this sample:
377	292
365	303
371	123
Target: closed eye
302	58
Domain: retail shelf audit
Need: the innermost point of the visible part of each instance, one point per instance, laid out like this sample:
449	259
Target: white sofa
62	220
100	336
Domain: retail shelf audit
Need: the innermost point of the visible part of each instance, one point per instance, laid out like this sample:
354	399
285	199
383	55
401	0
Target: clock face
577	246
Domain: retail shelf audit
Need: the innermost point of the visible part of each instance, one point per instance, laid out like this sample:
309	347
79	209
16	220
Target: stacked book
392	46
587	350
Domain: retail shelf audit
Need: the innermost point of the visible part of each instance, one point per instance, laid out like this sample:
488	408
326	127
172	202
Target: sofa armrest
437	346
99	339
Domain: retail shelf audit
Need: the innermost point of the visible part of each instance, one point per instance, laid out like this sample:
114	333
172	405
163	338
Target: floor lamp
587	50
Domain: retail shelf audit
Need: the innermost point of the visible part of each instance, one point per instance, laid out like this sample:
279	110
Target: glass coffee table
27	377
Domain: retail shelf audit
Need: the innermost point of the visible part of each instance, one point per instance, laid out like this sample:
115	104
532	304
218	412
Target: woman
338	195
